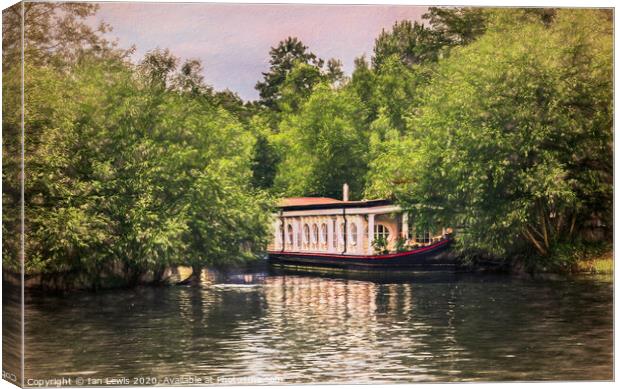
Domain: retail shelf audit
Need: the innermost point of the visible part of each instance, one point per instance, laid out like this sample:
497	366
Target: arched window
381	231
335	232
323	233
306	234
290	234
280	233
353	234
315	234
341	235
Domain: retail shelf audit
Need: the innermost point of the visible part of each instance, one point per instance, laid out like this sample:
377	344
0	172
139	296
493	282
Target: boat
322	231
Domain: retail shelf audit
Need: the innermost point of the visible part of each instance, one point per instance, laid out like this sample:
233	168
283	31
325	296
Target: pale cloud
233	40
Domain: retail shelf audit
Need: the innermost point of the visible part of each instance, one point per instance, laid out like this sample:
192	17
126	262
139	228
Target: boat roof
295	201
305	203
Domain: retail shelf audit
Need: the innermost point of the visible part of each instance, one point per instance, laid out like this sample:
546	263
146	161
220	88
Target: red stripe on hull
421	250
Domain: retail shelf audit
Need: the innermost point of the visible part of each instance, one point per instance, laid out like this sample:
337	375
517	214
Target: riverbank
598	264
61	282
116	279
594	262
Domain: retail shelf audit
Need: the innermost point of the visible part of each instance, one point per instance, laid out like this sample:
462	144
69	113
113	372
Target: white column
405	228
337	232
301	228
295	234
283	236
371	232
330	235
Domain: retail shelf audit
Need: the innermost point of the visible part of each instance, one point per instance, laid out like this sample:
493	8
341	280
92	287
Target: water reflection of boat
342	233
374	275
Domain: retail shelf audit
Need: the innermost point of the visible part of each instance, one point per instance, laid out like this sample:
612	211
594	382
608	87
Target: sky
233	40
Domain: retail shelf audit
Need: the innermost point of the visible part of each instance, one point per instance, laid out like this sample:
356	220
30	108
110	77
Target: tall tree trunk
543	221
572	224
528	235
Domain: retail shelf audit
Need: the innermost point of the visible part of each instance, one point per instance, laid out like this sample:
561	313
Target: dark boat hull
435	256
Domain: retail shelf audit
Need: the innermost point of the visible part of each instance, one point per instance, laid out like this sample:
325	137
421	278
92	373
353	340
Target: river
286	326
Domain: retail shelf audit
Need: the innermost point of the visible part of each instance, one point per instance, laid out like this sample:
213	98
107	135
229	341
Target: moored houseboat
344	233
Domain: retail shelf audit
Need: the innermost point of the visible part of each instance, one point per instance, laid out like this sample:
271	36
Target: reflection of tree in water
216	325
143	331
419	317
11	333
318	329
517	330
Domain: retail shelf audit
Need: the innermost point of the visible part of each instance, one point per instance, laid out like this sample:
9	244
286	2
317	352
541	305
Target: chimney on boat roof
345	192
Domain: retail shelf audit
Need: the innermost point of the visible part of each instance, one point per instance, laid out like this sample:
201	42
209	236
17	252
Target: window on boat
423	236
290	234
323	233
306	233
315	233
335	231
353	234
381	231
341	233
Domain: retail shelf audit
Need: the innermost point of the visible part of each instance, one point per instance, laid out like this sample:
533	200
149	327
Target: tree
56	33
190	79
513	139
362	83
413	43
56	37
456	26
284	57
158	67
265	158
416	43
334	72
232	103
298	86
323	146
123	173
397	88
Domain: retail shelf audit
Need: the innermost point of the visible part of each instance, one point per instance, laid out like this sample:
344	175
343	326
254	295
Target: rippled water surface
298	327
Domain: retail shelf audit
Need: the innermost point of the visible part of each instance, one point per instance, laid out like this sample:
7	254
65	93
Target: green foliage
513	138
419	44
380	245
401	244
363	84
56	32
284	57
572	257
333	72
458	26
412	43
298	86
495	121
265	158
397	89
323	146
388	173
123	172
